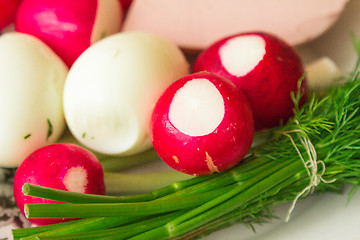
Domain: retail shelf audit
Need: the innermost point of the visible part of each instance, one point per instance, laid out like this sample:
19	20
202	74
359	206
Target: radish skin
69	27
7	12
60	166
111	89
126	5
202	124
31	87
264	67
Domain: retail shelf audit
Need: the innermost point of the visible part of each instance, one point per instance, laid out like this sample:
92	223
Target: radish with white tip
202	124
31	88
61	166
69	27
264	67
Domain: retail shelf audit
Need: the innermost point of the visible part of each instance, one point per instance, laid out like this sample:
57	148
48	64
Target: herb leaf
50	129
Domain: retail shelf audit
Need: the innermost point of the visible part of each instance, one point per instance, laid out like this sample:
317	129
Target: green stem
67	196
121	232
89	210
211	211
242	172
84	225
246	213
239	200
134	183
73	197
23	232
185	187
241	186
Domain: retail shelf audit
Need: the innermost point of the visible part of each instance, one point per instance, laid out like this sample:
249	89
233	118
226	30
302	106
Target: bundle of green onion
318	150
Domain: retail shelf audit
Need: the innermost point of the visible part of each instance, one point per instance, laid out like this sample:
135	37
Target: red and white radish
61	166
7	12
202	124
67	26
264	67
31	88
112	87
196	24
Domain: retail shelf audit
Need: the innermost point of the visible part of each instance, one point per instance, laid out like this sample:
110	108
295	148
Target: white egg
112	87
31	86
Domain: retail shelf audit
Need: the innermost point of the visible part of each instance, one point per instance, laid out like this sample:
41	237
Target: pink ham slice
195	24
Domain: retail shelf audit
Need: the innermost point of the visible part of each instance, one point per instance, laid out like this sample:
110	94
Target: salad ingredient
202	124
111	89
133	183
317	150
322	73
200	23
69	27
264	67
61	166
7	12
31	87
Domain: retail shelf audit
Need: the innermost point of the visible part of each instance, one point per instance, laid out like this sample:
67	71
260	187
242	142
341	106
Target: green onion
120	232
90	224
89	210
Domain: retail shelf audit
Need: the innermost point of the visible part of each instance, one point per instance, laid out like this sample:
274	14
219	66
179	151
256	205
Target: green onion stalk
317	150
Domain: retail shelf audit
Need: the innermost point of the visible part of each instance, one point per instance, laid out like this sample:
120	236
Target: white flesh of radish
75	179
240	55
108	19
197	108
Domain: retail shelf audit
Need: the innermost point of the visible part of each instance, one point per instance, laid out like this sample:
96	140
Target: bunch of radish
205	122
264	67
123	92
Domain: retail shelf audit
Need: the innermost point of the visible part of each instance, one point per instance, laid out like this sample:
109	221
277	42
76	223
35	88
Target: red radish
126	4
69	27
7	12
196	24
61	166
264	67
202	124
